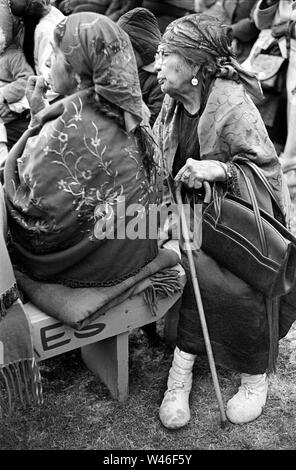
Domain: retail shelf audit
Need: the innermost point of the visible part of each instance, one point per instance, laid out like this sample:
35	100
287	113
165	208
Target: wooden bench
104	342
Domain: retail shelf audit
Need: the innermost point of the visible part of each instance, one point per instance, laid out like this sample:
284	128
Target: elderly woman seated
76	179
210	130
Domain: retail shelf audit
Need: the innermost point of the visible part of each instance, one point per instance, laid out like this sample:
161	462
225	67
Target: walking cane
198	298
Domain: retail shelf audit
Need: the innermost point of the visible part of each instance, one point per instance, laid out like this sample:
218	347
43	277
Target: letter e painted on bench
89	330
46	339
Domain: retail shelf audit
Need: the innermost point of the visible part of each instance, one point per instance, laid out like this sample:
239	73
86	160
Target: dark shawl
65	190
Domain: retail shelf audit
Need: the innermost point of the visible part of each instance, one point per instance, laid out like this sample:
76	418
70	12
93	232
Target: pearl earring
194	81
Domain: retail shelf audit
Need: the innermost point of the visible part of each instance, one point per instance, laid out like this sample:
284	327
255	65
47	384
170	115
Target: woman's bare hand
36	86
4	110
195	172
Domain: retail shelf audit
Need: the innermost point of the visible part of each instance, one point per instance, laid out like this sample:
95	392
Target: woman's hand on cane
195	172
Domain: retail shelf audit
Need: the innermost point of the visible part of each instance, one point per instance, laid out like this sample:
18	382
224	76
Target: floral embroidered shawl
64	188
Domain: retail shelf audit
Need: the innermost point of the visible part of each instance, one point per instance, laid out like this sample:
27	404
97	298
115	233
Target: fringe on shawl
22	383
7	299
163	283
21	379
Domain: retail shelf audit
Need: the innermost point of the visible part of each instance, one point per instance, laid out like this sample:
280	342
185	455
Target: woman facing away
87	154
78	186
207	128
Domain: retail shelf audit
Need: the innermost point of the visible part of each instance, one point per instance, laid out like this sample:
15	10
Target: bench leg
108	359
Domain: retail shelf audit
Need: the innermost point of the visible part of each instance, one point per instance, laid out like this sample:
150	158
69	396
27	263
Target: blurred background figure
279	17
111	8
73	6
239	15
14	72
40	19
37	20
142	27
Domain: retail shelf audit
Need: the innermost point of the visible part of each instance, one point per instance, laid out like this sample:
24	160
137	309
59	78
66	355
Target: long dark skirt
236	318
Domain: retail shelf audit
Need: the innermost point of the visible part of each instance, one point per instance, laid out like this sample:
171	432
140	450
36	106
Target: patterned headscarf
142	27
102	54
200	38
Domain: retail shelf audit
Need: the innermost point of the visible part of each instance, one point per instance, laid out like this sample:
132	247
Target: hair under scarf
101	54
142	27
200	38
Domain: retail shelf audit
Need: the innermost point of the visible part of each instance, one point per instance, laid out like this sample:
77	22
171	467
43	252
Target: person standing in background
40	18
142	27
280	16
238	13
14	73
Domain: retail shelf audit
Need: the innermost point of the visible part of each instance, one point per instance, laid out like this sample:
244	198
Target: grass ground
78	412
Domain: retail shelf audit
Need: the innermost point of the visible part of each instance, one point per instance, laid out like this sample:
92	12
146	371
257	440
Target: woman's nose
48	62
157	64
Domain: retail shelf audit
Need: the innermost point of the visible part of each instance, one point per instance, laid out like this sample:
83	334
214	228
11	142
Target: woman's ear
196	69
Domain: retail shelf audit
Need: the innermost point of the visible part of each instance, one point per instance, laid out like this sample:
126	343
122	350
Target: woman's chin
164	88
168	91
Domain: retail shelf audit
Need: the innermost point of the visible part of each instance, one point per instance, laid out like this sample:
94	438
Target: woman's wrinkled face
173	73
61	77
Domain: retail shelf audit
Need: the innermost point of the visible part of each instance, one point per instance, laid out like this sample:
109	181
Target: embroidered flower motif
86	174
63	137
39	226
103	211
62	184
77	117
95	141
